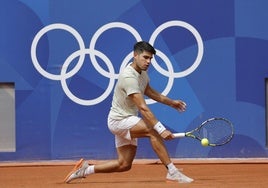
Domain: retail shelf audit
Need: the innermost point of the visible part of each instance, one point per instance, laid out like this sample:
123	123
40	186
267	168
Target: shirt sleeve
131	86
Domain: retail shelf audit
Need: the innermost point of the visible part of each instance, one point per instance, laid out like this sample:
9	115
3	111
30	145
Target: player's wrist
159	127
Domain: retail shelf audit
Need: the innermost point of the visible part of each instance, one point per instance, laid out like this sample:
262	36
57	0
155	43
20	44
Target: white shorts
121	130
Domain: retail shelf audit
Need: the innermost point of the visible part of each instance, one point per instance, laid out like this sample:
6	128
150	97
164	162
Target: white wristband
159	127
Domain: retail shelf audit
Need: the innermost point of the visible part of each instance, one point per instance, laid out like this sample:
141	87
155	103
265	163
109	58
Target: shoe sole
176	181
77	166
171	181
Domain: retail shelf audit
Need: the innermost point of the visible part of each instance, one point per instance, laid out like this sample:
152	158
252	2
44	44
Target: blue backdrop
64	58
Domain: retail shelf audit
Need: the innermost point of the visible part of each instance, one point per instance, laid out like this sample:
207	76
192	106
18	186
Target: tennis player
127	126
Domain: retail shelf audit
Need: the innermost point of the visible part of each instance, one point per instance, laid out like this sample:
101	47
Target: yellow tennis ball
204	142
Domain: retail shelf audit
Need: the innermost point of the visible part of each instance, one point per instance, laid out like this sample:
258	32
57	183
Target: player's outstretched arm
153	94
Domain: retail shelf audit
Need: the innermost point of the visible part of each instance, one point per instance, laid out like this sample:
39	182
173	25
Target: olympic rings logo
110	74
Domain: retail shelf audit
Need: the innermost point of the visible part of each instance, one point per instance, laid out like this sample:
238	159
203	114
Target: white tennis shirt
129	82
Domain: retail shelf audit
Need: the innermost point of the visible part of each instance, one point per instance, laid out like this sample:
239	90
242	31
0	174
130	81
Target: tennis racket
217	130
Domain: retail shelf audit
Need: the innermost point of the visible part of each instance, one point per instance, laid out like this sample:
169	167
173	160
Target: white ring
199	44
34	46
102	30
107	91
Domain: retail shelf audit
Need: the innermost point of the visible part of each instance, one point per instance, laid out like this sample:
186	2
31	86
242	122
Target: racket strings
217	131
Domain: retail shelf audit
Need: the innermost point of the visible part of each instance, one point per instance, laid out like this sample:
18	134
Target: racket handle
179	135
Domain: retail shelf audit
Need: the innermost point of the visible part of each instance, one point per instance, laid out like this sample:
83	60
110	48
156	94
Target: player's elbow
144	109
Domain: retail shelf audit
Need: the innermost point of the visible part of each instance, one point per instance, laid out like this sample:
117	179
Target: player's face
143	60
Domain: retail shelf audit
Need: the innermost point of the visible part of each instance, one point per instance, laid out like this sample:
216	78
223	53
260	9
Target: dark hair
141	46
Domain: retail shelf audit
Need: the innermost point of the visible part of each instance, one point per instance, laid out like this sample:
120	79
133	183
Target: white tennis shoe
77	172
178	176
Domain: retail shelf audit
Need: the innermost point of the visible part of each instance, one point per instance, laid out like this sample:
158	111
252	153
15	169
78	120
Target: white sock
90	170
171	168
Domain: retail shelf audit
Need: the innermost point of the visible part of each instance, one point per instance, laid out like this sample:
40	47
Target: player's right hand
167	135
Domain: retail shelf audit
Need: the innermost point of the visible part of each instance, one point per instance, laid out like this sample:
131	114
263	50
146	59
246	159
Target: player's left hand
179	105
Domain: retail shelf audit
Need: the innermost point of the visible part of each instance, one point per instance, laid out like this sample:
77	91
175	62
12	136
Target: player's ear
135	54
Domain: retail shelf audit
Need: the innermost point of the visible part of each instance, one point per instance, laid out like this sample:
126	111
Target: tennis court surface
144	174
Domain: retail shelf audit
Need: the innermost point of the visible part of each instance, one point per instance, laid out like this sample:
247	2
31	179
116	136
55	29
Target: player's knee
125	166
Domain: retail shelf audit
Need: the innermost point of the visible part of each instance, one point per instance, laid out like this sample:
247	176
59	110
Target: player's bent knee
125	167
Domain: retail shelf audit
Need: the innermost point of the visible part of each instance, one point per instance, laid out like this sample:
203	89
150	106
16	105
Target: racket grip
179	135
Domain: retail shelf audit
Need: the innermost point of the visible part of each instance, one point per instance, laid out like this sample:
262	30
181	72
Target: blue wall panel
64	58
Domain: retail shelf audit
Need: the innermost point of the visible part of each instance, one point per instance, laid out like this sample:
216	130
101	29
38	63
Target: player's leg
142	130
126	156
126	149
